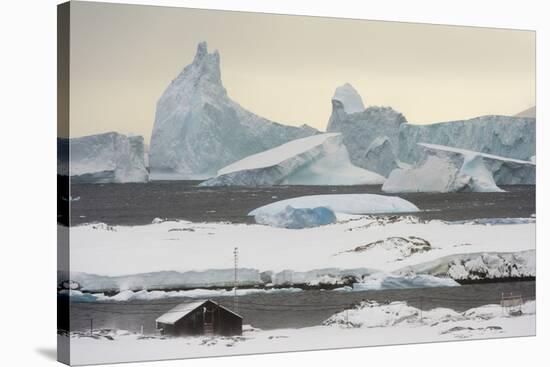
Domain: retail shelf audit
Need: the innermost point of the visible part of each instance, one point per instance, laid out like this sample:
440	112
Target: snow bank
179	254
198	129
316	160
342	203
479	266
102	158
298	218
370	314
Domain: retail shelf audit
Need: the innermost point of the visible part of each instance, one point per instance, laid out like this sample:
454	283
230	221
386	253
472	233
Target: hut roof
183	309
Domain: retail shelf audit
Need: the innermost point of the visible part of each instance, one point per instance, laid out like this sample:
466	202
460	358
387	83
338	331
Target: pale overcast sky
285	68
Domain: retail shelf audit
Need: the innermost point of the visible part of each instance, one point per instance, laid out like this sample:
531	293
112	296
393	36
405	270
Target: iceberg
434	175
198	129
370	135
350	99
504	136
297	218
103	158
342	203
316	160
488	169
449	169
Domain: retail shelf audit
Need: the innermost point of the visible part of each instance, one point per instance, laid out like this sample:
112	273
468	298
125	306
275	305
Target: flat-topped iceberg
503	136
103	158
315	160
342	203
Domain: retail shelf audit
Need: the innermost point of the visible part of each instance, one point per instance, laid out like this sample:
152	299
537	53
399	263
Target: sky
286	68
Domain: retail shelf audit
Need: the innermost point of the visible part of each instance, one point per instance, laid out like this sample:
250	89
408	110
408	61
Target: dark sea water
134	204
137	204
294	310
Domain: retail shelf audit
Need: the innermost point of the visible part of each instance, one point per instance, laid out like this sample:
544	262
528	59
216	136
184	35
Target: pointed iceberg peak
207	64
349	98
202	50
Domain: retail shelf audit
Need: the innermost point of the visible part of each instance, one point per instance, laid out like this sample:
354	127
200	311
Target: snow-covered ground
368	324
186	254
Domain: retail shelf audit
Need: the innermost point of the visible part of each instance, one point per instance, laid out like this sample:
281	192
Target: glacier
103	158
315	160
198	129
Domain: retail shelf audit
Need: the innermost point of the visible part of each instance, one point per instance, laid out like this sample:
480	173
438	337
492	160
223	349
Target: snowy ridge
198	129
479	266
371	314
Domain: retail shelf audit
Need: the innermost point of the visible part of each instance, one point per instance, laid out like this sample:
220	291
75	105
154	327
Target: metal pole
236	264
91	326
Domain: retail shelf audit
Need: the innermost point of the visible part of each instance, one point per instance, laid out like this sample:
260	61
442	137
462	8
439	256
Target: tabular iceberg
505	136
103	158
198	129
316	160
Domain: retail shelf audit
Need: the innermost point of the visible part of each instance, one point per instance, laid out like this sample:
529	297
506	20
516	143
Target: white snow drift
101	158
316	160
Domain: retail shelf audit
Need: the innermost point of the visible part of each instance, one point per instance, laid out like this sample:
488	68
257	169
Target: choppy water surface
134	204
294	310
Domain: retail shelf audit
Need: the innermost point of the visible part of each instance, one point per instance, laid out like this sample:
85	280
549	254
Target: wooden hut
204	317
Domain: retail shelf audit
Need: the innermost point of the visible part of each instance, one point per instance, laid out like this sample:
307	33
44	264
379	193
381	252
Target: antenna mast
236	265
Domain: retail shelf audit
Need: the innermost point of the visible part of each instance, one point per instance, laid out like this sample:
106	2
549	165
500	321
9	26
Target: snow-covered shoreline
175	255
368	324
